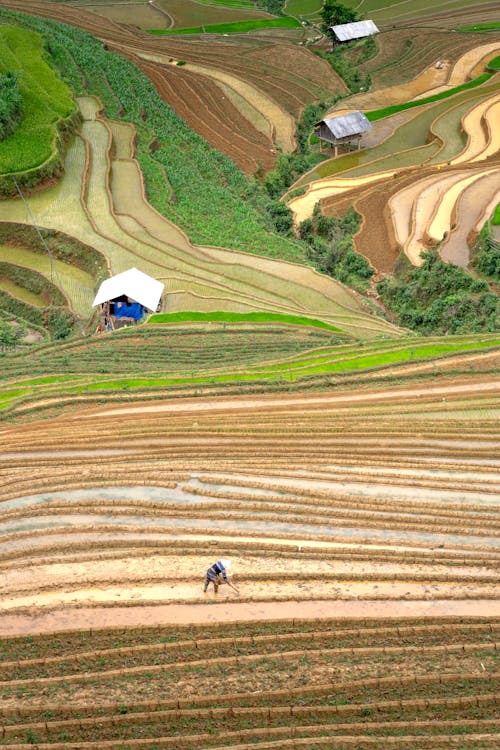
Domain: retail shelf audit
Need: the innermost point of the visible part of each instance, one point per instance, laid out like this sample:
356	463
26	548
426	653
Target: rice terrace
249	335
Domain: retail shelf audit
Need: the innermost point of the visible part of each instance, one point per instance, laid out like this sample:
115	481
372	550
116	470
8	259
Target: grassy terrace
194	356
47	101
224	317
238	27
494	26
378	114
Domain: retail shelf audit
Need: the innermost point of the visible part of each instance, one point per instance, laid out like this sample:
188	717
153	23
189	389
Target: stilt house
342	129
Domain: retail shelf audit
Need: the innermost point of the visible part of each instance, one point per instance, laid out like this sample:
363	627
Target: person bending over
217	574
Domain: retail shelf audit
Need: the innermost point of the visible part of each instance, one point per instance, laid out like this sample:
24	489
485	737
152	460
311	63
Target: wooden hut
340	129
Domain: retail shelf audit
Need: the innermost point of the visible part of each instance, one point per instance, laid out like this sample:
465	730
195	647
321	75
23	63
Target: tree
334	13
10	334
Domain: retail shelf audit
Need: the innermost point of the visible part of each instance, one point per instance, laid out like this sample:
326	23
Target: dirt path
212	612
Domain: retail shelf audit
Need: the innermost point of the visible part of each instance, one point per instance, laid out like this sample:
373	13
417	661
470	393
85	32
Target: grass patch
480	27
495	63
237	27
46	101
378	114
227	317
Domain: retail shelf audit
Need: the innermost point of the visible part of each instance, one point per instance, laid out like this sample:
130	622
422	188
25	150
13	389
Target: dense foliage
272	6
334	13
330	247
49	113
440	298
486	258
10	334
289	167
11	105
344	67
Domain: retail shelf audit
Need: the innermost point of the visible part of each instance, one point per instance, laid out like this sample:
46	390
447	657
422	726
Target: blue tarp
134	310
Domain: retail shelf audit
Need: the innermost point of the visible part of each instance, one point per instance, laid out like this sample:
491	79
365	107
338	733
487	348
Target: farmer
217	575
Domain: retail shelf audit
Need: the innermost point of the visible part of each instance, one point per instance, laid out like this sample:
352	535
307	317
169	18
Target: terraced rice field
261	74
422	177
363	529
115	218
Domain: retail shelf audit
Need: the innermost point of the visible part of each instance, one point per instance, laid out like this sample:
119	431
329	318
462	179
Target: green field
239	27
225	317
190	354
378	114
481	27
46	101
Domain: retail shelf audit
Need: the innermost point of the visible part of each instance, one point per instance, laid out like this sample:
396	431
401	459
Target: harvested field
363	530
287	75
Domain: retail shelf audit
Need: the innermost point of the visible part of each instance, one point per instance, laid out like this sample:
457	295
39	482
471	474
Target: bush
330	247
59	322
486	257
440	298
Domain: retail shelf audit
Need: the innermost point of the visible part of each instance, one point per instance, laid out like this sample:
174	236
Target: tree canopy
334	13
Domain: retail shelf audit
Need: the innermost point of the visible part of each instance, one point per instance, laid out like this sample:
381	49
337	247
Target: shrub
486	257
440	298
330	247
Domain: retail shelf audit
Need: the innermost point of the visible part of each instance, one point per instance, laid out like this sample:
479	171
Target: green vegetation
334	13
289	167
486	256
48	108
480	27
342	65
331	250
494	64
275	7
440	298
150	360
10	334
378	114
227	317
11	104
214	202
238	27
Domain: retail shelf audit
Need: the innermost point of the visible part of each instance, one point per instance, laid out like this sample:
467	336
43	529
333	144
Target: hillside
316	400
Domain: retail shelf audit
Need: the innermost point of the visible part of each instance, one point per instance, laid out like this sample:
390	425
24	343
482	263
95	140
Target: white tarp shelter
134	284
354	30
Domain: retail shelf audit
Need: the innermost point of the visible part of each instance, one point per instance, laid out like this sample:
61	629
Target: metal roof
134	284
353	123
354	30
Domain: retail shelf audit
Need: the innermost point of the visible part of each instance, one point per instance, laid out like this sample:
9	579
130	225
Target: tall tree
334	13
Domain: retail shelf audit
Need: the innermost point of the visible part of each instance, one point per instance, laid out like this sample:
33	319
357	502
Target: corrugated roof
354	30
134	284
353	123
